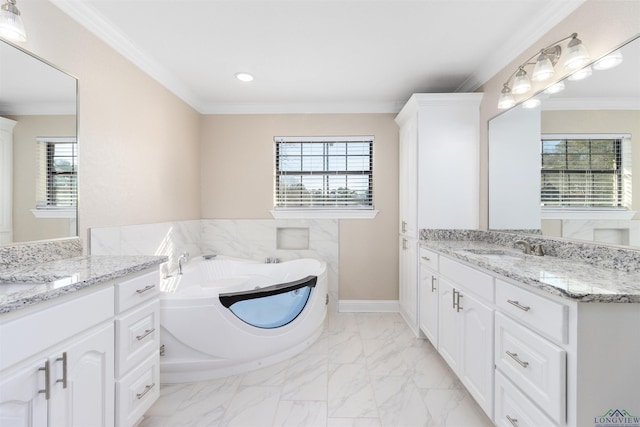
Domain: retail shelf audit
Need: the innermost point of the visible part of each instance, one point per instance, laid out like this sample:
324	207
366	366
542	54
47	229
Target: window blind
324	172
582	172
57	164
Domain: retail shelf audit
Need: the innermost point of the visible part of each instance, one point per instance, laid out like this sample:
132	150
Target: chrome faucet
184	256
527	246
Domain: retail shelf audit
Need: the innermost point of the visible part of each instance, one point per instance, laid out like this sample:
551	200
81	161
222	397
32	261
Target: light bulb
506	99
577	54
521	84
11	25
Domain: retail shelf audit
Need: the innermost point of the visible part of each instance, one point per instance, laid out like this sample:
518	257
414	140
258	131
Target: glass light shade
11	25
543	70
506	99
521	84
577	55
581	74
612	60
558	87
531	103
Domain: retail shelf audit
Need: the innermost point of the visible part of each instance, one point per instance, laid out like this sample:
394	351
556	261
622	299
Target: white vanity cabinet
439	157
465	327
137	365
56	364
428	295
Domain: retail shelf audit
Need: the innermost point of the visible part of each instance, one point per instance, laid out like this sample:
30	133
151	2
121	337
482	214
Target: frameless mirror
38	149
570	167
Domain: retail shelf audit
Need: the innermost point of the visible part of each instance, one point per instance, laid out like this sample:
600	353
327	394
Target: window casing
57	183
582	173
316	173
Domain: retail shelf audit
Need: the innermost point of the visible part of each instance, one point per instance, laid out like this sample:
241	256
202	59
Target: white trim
301	107
585	136
54	213
356	138
324	213
586	214
368	306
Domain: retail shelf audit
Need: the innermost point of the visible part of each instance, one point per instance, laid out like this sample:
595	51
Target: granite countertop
25	286
567	278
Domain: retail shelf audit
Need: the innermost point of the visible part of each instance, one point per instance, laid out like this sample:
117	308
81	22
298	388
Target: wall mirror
570	167
38	149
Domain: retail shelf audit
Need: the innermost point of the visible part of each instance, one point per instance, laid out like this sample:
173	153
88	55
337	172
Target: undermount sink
495	253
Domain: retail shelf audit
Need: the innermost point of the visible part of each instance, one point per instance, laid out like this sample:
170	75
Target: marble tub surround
565	277
247	238
597	255
49	280
30	253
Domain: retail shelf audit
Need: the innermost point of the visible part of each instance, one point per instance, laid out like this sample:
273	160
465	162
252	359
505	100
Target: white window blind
582	172
57	163
324	172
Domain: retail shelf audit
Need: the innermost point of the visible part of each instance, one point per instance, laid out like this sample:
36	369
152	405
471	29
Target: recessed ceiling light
244	77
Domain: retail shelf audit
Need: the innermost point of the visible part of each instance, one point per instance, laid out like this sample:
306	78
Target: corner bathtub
224	316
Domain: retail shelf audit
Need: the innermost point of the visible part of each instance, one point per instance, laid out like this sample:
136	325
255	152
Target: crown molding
90	19
524	38
302	108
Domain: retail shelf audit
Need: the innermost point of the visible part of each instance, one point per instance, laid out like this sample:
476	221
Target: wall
601	25
139	143
237	169
26	226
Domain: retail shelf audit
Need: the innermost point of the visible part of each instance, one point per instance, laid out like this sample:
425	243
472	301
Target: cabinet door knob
63	359
515	357
47	379
520	306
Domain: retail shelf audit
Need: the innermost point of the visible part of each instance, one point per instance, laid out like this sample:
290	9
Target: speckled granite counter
568	278
25	286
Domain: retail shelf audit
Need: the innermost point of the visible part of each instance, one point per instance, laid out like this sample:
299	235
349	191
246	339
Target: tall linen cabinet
439	178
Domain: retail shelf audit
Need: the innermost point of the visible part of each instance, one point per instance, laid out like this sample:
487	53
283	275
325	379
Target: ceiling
317	55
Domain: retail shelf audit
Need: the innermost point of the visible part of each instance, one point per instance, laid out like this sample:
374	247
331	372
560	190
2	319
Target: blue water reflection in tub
272	311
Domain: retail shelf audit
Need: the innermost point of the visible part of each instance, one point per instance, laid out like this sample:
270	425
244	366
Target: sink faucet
184	256
527	246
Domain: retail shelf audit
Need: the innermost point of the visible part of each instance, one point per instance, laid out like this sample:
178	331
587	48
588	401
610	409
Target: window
324	173
57	173
582	172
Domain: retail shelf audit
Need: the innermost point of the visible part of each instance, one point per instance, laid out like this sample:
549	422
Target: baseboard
368	306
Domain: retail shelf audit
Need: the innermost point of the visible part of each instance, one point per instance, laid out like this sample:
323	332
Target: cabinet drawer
472	280
541	314
429	259
534	364
137	290
25	336
136	392
137	336
514	408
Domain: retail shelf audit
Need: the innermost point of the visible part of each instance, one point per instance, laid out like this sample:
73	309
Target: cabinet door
22	403
476	351
408	286
88	399
428	304
448	325
408	179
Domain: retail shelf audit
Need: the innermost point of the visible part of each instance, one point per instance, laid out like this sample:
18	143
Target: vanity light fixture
11	25
545	60
244	77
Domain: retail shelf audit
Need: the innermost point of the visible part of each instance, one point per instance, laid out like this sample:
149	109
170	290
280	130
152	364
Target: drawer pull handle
426	258
47	379
513	421
433	283
520	306
145	289
146	334
515	357
146	390
63	359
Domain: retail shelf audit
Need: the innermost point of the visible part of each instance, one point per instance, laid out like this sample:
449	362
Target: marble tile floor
366	369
